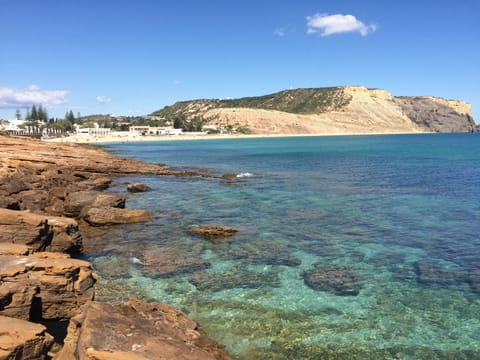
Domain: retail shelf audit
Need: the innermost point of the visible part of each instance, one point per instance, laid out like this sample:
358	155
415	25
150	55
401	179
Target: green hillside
298	101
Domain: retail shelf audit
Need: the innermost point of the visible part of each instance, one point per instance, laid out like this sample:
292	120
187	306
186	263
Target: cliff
333	110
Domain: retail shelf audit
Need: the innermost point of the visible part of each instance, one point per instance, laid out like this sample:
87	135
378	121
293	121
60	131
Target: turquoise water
396	218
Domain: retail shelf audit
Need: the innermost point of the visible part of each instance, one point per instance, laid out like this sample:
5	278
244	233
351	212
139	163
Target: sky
128	57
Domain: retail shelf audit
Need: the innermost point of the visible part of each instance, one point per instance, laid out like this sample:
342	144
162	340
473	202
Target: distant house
18	127
153	130
212	129
93	132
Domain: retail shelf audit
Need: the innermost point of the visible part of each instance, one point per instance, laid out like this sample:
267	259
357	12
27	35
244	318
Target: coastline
52	201
82	139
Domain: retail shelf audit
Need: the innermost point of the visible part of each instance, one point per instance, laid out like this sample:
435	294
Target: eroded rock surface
44	286
40	232
136	330
23	340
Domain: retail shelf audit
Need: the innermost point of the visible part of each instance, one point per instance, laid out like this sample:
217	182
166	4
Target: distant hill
332	110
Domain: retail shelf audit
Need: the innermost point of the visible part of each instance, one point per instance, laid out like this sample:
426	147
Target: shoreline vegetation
52	208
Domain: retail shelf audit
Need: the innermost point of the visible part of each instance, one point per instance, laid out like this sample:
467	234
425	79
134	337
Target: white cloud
337	24
15	98
103	99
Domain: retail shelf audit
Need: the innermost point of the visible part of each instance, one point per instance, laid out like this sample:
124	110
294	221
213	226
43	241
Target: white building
93	132
152	130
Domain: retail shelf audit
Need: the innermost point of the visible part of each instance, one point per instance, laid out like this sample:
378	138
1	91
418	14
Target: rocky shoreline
51	198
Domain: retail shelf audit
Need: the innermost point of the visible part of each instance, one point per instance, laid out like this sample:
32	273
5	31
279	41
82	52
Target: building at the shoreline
96	131
153	130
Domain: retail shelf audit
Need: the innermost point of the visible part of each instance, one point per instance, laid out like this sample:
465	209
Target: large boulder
105	216
23	340
136	330
340	280
40	232
48	286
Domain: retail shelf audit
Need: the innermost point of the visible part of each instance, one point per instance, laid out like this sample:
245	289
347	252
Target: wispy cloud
103	99
284	31
15	98
280	32
327	25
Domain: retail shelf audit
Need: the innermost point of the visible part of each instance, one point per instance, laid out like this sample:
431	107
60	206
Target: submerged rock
340	280
429	272
261	252
164	261
214	233
136	330
473	280
235	278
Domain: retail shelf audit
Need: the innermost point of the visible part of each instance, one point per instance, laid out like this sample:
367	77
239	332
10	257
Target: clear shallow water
401	213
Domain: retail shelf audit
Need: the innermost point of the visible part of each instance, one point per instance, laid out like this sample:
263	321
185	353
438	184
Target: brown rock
78	203
105	216
214	233
137	187
229	176
15	249
75	202
136	330
112	200
23	340
101	183
44	286
41	232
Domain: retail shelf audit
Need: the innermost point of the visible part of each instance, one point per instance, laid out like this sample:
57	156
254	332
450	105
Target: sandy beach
82	139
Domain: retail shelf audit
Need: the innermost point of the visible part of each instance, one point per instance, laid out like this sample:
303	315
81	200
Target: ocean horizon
347	246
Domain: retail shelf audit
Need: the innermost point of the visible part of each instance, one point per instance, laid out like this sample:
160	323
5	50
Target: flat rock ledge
136	330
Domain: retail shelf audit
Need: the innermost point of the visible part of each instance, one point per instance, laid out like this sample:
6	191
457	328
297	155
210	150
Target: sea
348	247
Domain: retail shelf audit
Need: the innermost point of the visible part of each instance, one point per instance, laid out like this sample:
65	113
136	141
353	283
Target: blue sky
133	57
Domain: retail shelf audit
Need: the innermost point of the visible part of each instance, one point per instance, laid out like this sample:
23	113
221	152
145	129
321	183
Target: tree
70	117
33	113
41	114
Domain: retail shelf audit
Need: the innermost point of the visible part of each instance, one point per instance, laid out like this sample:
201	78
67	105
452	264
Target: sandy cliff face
334	110
367	111
364	111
